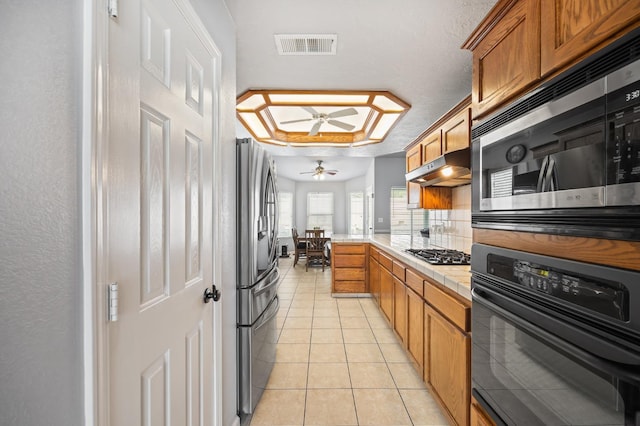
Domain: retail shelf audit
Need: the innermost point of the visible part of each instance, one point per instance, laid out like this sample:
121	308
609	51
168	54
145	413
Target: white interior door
159	215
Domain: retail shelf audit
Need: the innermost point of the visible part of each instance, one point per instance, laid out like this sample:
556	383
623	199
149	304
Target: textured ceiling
408	47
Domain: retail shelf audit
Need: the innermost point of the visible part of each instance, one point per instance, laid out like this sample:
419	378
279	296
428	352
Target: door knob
211	293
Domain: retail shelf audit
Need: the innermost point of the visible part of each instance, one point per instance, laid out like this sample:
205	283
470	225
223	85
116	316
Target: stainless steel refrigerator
258	274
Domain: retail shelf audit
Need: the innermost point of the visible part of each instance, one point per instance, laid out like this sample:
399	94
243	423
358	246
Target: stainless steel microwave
566	159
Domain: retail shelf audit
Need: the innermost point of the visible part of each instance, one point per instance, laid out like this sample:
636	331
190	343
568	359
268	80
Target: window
285	212
403	221
320	210
356	213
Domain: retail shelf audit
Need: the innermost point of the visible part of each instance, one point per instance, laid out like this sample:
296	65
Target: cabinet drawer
349	261
349	287
415	282
386	261
348	248
374	252
456	311
349	274
399	270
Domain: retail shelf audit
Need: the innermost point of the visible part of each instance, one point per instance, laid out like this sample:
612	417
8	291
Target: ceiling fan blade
342	125
296	121
310	110
316	127
343	113
304	173
331	172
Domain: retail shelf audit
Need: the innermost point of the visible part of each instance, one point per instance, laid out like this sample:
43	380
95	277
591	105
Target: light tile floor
338	362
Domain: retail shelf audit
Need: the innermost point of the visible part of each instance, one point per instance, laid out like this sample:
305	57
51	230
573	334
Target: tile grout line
344	347
386	362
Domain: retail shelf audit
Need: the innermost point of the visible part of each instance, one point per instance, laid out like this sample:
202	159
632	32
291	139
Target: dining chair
300	247
315	246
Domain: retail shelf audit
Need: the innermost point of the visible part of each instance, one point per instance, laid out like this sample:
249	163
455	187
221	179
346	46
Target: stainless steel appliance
565	159
555	342
450	169
257	272
441	256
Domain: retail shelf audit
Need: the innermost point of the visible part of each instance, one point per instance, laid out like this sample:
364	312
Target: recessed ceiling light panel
313	118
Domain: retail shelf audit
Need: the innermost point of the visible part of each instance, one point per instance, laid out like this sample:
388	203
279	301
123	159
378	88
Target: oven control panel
605	297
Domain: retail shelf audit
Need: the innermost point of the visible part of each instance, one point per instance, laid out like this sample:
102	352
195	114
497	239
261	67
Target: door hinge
112	8
113	302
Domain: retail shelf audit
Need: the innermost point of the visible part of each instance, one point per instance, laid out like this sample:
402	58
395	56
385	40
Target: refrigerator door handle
268	314
268	282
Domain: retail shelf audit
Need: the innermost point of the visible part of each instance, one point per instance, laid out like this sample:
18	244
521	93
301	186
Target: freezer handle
268	314
269	281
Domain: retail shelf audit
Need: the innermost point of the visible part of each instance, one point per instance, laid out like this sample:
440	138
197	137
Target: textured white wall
40	264
388	172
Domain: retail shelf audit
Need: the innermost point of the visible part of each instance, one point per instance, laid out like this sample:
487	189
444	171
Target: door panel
158	164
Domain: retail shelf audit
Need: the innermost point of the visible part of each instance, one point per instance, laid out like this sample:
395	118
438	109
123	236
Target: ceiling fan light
294	116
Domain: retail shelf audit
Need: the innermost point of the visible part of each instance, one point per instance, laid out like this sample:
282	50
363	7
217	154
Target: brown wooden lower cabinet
374	278
449	351
415	328
400	309
433	325
478	415
386	293
349	267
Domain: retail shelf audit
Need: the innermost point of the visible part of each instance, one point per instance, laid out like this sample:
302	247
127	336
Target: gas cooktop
441	257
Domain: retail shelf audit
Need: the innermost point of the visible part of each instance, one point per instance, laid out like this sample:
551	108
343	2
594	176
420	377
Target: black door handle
211	293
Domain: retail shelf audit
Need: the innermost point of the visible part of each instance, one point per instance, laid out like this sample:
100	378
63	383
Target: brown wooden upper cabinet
414	158
522	43
506	53
451	132
431	146
571	29
456	131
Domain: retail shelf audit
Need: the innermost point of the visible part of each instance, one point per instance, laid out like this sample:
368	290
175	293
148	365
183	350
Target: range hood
449	170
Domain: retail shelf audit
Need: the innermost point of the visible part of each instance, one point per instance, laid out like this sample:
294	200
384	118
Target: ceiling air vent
306	44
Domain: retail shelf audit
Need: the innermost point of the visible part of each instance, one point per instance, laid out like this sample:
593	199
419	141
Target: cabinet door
507	59
570	29
374	278
449	359
386	293
431	147
415	328
414	158
478	416
400	309
413	195
456	132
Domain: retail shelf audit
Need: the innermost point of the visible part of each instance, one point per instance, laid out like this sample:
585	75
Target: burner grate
441	256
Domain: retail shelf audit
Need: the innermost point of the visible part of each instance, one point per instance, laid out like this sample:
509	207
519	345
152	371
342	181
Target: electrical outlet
380	220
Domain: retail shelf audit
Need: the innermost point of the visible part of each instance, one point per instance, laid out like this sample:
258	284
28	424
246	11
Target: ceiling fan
319	171
321	117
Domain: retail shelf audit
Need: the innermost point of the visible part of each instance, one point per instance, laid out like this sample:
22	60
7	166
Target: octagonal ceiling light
304	118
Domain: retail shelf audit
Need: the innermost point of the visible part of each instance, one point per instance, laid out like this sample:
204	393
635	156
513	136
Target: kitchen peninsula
457	278
427	306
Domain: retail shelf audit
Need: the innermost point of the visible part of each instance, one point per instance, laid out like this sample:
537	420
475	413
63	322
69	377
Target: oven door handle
625	366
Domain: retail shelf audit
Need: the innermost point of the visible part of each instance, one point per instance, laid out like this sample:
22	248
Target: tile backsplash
451	229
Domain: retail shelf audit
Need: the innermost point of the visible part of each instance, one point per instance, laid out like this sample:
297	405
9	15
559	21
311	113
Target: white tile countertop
454	277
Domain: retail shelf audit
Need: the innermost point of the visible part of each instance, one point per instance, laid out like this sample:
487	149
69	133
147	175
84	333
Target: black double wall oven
557	341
